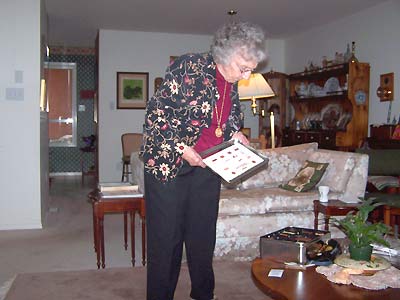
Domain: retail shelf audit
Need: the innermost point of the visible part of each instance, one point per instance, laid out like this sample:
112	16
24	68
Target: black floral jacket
178	112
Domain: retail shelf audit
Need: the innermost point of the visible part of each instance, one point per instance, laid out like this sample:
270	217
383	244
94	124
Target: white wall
20	120
133	51
377	36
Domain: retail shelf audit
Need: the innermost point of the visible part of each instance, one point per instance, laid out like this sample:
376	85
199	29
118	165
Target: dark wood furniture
381	137
127	206
390	212
331	208
382	132
326	139
91	171
343	110
308	284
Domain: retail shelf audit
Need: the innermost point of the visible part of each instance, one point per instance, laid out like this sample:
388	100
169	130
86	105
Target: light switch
16	94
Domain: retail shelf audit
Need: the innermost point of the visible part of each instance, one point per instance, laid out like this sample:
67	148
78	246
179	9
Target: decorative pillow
283	164
308	176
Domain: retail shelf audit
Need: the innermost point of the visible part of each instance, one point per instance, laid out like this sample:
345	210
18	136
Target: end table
331	208
126	205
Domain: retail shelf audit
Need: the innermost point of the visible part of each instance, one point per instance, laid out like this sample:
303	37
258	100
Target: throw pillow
307	177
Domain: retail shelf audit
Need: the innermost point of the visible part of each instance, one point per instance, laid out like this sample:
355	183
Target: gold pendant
218	132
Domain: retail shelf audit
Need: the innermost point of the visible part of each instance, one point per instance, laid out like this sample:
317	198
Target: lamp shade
254	87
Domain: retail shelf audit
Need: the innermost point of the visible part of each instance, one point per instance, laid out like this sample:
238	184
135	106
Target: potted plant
362	233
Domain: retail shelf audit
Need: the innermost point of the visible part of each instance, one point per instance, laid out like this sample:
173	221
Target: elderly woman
195	108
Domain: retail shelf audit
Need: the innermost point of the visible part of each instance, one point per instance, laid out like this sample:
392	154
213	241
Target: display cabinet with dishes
330	106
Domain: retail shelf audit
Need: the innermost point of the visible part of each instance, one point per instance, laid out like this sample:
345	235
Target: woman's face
237	69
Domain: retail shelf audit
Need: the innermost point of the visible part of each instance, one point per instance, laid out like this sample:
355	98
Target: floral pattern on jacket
179	110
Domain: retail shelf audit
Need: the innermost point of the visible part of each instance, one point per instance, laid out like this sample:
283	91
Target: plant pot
360	253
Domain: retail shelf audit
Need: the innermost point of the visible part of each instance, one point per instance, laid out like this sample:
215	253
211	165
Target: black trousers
181	212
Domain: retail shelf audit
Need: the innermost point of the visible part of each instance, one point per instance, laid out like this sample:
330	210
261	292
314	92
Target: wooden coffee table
308	284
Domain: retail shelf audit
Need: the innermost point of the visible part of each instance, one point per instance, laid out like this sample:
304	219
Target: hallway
66	242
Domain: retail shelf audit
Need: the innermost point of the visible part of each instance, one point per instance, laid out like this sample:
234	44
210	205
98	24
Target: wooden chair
131	142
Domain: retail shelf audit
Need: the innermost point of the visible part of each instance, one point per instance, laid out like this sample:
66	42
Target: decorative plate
377	263
332	85
330	115
360	97
315	90
343	120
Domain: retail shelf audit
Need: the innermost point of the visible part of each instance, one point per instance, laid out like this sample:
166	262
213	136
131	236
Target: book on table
119	190
233	161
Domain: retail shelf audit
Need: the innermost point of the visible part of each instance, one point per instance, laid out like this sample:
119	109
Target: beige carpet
233	282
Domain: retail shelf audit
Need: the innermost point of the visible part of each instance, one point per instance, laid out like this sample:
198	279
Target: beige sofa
258	206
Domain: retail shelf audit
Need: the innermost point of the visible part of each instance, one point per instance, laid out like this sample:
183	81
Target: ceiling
75	23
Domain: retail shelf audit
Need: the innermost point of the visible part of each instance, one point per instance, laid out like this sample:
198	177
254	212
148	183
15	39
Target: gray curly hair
238	37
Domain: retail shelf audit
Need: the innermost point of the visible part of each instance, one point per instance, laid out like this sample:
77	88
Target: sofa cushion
307	177
341	165
283	164
265	200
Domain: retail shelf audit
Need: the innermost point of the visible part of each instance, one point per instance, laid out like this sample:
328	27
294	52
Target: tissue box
291	243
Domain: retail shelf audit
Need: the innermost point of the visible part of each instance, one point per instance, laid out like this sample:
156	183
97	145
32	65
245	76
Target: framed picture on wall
132	90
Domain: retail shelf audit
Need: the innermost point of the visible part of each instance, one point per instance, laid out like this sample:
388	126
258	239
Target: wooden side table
125	205
331	208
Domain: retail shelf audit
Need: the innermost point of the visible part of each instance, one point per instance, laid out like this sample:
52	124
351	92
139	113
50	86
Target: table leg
103	255
143	240
133	237
125	231
327	217
96	233
386	216
316	214
95	227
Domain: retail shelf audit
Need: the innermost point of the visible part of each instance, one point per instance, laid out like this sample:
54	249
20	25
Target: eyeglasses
245	69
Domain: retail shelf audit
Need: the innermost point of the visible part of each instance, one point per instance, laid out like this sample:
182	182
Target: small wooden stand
126	205
331	208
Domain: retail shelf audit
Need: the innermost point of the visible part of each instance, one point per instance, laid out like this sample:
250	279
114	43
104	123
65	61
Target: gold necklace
218	130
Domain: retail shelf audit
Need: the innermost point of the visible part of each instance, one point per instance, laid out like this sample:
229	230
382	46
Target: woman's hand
241	138
193	158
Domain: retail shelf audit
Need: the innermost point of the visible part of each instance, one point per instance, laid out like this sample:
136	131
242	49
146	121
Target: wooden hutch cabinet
331	106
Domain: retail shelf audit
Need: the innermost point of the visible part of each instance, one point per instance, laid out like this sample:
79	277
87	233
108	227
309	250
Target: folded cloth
382	182
379	281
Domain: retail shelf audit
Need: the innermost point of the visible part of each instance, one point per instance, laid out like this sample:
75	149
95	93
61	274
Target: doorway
61	101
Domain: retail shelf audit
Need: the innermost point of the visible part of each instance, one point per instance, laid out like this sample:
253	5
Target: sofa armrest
357	183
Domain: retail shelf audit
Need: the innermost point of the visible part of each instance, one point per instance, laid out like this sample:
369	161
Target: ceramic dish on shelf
330	115
343	121
315	90
332	85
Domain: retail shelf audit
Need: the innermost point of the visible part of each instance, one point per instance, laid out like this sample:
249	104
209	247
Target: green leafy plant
360	232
